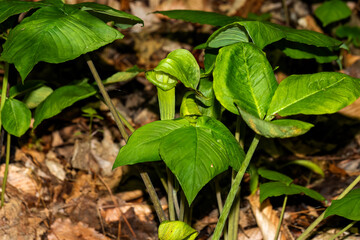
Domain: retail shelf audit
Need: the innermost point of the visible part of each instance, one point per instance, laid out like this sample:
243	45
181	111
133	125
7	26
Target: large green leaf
243	73
275	189
60	99
55	35
347	207
262	33
201	17
283	128
332	11
176	230
121	19
194	156
179	65
9	8
319	93
223	136
143	144
227	35
15	117
274	176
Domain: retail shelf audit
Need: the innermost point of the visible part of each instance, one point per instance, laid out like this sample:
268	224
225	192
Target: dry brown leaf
64	229
143	212
308	22
250	234
26	154
266	218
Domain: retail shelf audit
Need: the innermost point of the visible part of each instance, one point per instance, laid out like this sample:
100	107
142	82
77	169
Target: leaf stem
233	224
4	89
281	218
7	161
170	186
343	230
234	188
145	177
305	234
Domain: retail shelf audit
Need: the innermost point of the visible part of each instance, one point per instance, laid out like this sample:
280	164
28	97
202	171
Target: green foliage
37	96
176	230
283	186
243	73
352	33
347	207
60	99
308	164
15	117
58	32
123	76
332	11
179	65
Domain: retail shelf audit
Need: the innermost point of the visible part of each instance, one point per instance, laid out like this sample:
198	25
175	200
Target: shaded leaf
274	176
223	136
35	97
308	164
194	157
347	207
15	117
283	128
147	138
60	99
352	33
309	192
23	88
10	8
243	73
121	19
332	11
319	93
176	230
207	104
201	17
55	35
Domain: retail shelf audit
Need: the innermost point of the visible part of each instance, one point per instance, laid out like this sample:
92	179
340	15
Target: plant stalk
170	185
234	188
343	230
7	161
4	89
233	224
281	218
145	177
305	234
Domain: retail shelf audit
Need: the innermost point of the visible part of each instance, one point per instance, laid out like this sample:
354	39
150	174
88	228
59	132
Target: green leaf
262	33
54	35
194	156
275	176
143	144
15	117
176	230
35	97
123	76
332	11
227	35
189	106
352	33
23	88
209	60
304	51
347	207
10	8
179	65
207	103
275	189
121	19
283	128
201	17
254	179
60	99
308	164
319	93
243	73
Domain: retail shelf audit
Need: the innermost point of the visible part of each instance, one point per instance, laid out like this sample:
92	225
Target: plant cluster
197	146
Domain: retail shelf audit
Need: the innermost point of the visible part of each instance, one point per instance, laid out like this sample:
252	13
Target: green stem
4	89
171	195
305	234
106	97
7	161
145	177
234	214
234	188
343	230
281	218
220	202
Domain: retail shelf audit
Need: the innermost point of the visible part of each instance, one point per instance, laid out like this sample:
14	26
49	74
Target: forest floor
61	184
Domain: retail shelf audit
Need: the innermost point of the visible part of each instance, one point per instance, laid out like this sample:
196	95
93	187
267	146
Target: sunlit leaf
35	97
176	230
347	207
308	164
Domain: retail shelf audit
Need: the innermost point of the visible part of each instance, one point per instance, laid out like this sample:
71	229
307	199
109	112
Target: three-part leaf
15	117
319	93
243	73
